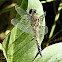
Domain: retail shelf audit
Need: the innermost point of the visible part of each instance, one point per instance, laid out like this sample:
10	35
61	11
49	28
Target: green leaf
52	53
24	4
4	45
20	47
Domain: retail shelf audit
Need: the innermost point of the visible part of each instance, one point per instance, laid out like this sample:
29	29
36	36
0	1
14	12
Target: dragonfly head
32	11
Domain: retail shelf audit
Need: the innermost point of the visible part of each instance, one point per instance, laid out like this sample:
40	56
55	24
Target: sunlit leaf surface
51	53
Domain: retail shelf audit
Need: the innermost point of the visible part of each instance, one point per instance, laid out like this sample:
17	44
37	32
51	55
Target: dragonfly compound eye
32	11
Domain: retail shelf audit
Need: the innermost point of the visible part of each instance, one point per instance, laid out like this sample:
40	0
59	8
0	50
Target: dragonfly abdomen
36	35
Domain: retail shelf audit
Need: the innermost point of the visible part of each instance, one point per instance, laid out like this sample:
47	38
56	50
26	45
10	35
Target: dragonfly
33	25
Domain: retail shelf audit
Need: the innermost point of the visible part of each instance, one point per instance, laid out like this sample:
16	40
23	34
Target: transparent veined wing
22	13
43	30
26	27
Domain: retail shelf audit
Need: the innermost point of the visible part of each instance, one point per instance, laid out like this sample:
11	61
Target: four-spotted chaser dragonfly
33	24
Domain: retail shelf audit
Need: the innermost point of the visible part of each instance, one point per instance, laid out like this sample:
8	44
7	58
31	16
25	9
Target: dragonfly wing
15	21
43	30
26	27
19	10
42	16
22	13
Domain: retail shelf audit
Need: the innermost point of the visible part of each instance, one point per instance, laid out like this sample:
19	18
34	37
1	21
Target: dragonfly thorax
33	15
